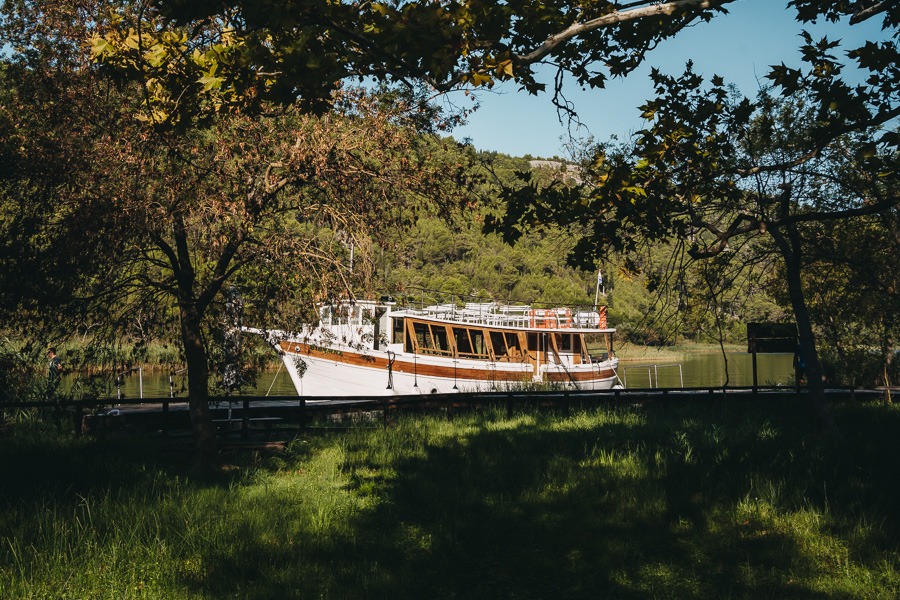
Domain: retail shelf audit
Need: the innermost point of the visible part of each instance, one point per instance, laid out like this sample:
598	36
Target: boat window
439	334
499	343
470	342
478	343
431	339
408	341
512	343
565	345
533	342
325	315
506	345
463	343
398	330
423	337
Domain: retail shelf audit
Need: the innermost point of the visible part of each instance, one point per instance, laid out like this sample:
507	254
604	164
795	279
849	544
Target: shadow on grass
700	500
697	501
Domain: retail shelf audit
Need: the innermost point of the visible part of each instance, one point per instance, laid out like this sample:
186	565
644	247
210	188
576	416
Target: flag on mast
600	289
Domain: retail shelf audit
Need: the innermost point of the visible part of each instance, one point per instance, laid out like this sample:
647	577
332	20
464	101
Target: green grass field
705	500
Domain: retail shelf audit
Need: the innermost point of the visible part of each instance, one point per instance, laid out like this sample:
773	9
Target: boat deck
519	316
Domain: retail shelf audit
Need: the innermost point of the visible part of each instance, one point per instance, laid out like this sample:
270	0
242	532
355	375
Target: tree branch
879	119
868	13
613	18
722	237
849	213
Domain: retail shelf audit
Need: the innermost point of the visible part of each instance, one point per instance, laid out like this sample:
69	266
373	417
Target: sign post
770	338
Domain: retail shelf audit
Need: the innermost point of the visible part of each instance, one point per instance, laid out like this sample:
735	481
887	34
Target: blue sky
739	46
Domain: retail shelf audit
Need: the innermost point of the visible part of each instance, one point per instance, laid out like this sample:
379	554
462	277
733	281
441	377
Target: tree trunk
790	248
205	443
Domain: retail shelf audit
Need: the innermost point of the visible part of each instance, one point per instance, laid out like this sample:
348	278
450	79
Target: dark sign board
771	337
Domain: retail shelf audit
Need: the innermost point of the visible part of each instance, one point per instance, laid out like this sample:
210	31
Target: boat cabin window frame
506	345
430	338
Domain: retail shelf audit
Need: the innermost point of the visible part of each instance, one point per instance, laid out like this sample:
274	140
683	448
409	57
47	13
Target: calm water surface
699	370
155	384
713	370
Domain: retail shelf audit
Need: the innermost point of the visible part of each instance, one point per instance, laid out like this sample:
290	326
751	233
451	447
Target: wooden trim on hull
523	372
578	377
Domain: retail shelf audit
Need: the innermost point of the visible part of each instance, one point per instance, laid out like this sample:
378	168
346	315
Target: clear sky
739	46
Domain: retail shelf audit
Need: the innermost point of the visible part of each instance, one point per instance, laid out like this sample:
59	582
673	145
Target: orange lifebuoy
541	317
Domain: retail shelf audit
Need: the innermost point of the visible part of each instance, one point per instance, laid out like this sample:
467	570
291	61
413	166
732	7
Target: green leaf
211	82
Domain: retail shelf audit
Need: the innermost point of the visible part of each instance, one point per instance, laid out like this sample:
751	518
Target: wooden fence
239	415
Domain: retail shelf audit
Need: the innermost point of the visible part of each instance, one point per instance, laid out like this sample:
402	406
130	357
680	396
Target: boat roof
512	316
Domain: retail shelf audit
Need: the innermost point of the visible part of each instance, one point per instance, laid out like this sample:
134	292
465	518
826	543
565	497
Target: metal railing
284	414
652	373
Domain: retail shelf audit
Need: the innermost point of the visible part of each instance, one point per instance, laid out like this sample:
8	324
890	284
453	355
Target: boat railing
515	315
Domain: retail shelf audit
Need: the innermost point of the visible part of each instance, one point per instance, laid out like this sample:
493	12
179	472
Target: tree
298	51
197	76
179	211
51	107
854	298
713	168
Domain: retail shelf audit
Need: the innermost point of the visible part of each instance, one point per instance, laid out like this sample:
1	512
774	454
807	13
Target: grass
708	500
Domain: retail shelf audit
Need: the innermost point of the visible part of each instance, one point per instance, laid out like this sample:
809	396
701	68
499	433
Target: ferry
369	348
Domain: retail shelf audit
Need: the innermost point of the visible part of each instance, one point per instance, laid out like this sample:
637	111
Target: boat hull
336	372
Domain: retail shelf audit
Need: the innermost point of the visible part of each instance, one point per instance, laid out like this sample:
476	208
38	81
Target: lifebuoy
541	317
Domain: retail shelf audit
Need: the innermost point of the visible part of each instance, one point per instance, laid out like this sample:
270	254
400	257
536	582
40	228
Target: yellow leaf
133	40
211	82
99	46
480	79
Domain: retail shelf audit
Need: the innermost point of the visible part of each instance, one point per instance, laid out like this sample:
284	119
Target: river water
697	370
734	369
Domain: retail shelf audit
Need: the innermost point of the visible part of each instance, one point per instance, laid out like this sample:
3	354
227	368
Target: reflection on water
699	370
709	370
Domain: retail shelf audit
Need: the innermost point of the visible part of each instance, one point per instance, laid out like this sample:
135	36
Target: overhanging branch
614	18
868	13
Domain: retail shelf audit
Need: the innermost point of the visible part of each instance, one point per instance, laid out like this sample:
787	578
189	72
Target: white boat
368	348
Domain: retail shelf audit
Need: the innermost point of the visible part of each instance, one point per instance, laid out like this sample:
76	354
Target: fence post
302	407
245	419
79	418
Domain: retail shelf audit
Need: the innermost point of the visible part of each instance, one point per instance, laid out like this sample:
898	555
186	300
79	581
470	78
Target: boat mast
600	289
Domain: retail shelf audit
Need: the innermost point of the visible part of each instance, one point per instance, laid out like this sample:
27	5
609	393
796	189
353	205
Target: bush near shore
740	500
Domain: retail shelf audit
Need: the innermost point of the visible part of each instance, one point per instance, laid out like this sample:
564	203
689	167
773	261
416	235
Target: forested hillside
649	301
